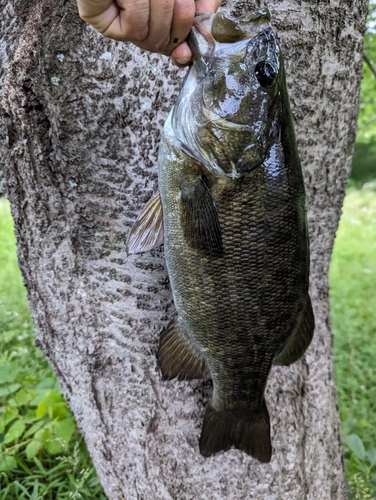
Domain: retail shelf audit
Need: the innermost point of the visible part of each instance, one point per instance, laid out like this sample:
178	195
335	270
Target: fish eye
265	74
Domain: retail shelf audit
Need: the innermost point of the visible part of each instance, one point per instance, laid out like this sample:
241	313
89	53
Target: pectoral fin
300	340
177	356
147	231
200	218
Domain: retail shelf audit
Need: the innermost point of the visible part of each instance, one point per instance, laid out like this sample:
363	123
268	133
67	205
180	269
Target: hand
154	25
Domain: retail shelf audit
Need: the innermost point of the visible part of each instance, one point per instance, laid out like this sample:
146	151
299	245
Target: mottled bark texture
82	117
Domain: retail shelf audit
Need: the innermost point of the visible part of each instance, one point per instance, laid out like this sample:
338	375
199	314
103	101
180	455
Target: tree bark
82	117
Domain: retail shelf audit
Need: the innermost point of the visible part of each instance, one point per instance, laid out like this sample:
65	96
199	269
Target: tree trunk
82	117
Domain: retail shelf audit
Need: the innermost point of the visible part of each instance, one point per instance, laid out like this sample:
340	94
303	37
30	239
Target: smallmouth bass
231	213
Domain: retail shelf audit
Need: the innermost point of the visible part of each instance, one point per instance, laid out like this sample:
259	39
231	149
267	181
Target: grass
352	279
44	457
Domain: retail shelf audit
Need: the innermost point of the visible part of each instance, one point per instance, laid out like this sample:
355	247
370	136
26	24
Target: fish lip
202	41
242	27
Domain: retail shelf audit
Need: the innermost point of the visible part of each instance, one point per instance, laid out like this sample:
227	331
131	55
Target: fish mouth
228	29
221	28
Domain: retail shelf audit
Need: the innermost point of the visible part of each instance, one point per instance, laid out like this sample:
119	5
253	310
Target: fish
231	212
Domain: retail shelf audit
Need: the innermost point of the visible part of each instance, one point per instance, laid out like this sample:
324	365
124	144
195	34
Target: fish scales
235	230
251	293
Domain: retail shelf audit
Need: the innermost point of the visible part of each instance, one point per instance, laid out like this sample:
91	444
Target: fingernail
183	60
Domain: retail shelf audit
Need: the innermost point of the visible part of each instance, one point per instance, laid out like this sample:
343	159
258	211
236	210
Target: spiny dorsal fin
147	231
200	218
177	357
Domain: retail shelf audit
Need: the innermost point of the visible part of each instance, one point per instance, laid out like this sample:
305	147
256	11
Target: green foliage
367	116
364	160
352	279
364	163
42	455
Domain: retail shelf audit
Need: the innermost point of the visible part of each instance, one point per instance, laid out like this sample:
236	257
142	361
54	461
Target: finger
203	6
160	20
124	20
183	15
132	24
182	55
91	8
106	22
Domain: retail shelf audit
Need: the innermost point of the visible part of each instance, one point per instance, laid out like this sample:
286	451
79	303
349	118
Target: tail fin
249	432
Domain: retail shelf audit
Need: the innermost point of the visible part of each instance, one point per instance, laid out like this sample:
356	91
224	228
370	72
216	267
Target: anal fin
200	218
177	357
147	231
300	340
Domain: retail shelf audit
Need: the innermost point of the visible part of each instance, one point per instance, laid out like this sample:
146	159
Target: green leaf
15	431
54	446
33	448
43	435
30	416
59	410
9	335
47	403
65	428
35	428
371	454
7	417
40	394
56	435
9	389
8	372
356	445
48	383
23	397
7	463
